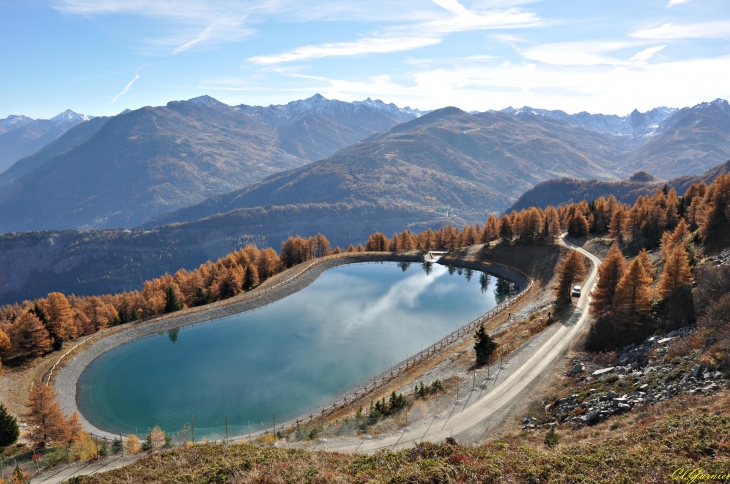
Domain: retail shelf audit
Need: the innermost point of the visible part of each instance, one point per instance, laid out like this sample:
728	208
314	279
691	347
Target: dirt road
463	419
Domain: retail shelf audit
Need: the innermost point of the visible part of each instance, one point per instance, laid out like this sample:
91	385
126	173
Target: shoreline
67	377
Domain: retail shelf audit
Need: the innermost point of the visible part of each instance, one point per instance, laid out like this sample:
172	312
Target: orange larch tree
505	229
59	316
610	273
676	272
633	297
45	417
571	269
30	337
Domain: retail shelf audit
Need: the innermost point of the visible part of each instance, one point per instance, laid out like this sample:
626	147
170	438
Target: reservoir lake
351	323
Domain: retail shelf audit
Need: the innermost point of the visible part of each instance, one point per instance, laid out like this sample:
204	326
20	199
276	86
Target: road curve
504	394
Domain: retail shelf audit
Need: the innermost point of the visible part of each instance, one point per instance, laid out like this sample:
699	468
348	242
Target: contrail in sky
126	88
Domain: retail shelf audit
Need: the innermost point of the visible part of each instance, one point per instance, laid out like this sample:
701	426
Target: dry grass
685	346
644	446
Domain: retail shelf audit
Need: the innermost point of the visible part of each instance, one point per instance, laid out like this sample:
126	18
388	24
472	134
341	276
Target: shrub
552	438
131	446
116	446
83	448
157	437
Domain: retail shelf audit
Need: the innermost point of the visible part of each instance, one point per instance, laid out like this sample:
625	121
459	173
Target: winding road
508	392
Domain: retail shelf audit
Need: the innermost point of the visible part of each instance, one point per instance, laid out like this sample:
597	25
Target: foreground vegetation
689	439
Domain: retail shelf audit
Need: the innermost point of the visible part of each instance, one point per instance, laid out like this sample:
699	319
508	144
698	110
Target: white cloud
676	2
464	20
409	37
702	30
184	23
363	46
576	53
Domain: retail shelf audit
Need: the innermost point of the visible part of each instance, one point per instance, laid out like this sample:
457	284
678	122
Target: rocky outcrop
646	368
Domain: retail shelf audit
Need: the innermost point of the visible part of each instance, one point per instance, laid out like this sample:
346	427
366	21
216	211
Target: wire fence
364	389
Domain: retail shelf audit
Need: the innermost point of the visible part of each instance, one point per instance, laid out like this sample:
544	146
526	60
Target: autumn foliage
46	420
610	273
570	270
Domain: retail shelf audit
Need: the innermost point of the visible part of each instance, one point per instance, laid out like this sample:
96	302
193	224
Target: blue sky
99	57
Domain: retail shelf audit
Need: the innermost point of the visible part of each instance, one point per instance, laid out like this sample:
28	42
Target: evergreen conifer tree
484	345
552	438
172	303
9	431
506	231
251	277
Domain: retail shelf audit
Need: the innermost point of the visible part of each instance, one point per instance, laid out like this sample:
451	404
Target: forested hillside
569	190
101	261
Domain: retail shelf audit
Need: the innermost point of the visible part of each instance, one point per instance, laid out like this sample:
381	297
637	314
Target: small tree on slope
484	345
9	431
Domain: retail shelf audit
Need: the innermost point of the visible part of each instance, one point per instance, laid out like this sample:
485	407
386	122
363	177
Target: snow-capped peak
634	124
70	116
717	103
207	101
14	121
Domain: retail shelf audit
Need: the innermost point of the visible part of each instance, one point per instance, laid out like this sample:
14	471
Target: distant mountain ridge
634	124
283	114
691	141
168	158
21	136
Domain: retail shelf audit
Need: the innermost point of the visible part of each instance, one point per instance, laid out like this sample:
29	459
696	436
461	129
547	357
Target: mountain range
135	167
384	168
21	136
446	160
125	169
633	125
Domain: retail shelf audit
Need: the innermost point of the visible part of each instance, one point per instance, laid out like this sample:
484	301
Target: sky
100	57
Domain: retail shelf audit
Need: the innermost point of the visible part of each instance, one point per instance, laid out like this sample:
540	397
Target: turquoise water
351	323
